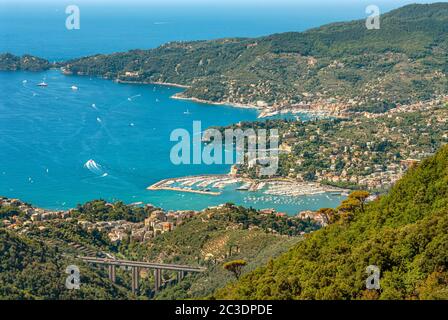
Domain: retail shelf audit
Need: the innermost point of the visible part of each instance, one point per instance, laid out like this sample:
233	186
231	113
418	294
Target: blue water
48	134
38	27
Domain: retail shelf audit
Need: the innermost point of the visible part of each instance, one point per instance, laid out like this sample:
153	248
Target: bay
49	135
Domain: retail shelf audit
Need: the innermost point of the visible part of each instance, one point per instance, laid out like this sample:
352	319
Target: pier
202	184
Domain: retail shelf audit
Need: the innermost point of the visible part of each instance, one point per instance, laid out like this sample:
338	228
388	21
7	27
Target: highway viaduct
136	266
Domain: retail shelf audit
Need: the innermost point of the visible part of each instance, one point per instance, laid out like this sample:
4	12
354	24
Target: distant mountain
405	234
333	67
336	66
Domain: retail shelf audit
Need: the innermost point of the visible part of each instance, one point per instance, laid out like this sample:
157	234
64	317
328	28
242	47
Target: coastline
317	113
179	96
263	112
168	84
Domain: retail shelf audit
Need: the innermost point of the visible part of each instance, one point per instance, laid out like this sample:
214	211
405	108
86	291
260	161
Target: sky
165	3
120	25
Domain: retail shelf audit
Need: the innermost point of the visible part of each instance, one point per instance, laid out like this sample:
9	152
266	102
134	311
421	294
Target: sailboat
187	112
42	84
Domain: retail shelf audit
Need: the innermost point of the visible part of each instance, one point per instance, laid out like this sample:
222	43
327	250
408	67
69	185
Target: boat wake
133	97
95	168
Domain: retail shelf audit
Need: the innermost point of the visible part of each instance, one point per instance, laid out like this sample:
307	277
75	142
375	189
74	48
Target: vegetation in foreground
404	233
35	253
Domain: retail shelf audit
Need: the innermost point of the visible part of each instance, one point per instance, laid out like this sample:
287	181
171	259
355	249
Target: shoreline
263	112
179	96
168	84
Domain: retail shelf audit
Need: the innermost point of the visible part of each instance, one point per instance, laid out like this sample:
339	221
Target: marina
215	184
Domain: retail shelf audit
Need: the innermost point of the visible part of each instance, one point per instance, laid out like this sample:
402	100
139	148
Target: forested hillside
35	253
31	269
341	65
336	67
9	62
213	243
405	234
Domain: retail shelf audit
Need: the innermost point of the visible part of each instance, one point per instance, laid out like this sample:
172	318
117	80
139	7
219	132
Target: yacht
42	84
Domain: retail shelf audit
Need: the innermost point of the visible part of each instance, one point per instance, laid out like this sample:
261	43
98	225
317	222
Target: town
371	151
22	216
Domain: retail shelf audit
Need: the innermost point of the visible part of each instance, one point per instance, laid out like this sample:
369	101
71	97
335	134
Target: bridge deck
149	265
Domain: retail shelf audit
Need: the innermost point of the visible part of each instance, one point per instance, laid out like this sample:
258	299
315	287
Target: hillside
370	152
211	241
212	238
38	245
9	62
334	67
404	233
31	269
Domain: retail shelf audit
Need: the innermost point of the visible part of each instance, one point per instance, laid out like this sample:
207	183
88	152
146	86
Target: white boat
74	88
42	84
187	112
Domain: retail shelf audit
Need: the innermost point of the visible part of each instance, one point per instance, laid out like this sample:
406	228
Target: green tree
235	266
361	196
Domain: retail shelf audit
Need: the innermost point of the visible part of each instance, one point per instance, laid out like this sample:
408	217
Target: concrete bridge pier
157	279
135	278
112	276
180	275
136	266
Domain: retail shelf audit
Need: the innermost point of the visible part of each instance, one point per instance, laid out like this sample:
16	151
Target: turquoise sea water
47	135
38	26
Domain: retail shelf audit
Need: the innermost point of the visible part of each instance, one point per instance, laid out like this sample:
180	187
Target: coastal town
370	151
22	217
157	222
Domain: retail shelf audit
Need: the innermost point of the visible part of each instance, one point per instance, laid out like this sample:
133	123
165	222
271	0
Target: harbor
215	185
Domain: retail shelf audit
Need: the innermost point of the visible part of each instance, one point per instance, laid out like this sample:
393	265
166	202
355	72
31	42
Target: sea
60	147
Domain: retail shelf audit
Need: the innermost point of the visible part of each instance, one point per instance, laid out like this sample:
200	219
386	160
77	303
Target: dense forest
31	269
9	62
404	233
34	254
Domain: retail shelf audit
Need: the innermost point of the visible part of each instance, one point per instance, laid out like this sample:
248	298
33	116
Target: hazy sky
385	5
120	25
302	3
